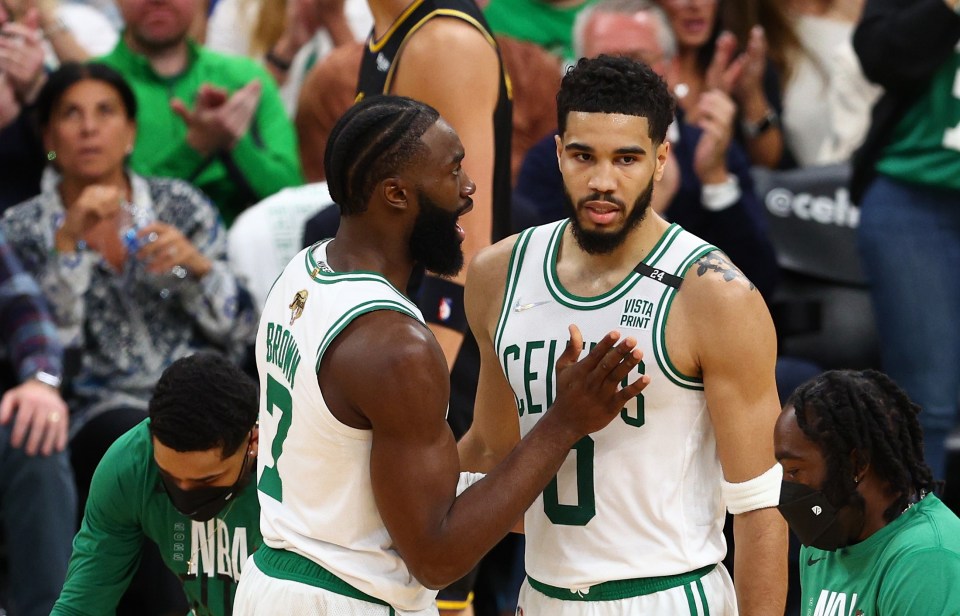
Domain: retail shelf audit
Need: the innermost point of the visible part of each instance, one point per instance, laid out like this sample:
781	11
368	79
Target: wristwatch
752	130
48	379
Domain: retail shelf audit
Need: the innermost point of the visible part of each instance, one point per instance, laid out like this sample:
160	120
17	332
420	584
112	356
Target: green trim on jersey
660	326
285	565
576	302
356	311
510	288
323	277
663	244
401	304
623	589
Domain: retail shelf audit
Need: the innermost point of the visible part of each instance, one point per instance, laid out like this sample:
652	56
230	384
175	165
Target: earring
52	155
129	149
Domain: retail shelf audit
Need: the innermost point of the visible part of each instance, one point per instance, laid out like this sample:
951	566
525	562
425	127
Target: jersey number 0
586	507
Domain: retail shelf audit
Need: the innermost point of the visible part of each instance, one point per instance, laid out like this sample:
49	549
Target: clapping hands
21	55
218	120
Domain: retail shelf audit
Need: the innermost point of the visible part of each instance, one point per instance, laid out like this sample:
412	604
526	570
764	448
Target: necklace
192	561
913	500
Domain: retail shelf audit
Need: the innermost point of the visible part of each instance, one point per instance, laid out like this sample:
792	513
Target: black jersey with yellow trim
378	66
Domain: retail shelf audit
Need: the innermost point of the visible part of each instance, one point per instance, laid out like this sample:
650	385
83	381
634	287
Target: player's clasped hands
589	392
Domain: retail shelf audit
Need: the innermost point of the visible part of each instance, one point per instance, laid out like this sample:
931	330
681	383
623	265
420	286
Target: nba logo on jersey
445	309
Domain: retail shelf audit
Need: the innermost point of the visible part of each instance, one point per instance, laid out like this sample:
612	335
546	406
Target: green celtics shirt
925	145
127	503
909	567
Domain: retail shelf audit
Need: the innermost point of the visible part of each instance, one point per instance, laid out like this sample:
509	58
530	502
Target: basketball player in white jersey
359	481
632	523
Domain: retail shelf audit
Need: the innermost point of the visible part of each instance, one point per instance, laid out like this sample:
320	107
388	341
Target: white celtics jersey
640	498
313	472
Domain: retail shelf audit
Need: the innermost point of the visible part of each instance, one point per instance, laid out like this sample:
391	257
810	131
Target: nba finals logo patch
297	305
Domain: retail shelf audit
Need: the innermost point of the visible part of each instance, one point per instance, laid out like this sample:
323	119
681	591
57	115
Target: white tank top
313	471
640	498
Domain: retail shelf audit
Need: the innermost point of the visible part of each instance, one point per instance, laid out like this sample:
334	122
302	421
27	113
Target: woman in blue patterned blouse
134	269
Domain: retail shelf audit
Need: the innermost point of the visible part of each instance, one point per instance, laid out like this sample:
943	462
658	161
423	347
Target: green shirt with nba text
128	504
907	568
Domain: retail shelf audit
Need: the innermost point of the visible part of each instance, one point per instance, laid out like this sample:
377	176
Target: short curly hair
613	84
201	402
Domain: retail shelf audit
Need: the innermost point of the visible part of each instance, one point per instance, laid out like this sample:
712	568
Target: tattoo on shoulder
718	262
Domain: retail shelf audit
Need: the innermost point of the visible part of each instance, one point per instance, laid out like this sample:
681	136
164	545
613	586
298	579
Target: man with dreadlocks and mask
359	477
856	491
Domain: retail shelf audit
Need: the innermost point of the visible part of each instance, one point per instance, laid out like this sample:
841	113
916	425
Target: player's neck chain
211	534
914	499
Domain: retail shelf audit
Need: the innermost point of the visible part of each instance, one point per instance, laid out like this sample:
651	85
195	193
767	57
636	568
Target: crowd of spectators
135	133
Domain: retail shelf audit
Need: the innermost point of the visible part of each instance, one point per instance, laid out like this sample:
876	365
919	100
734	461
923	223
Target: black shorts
459	595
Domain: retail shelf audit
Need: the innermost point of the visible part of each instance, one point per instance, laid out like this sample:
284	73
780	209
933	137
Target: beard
158	45
434	242
605	242
850	504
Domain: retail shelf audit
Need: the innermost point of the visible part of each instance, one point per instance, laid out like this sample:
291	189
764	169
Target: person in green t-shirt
183	478
906	180
212	119
858	495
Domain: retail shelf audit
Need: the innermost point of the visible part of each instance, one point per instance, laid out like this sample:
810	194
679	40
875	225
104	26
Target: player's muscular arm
450	65
495	429
413	463
732	342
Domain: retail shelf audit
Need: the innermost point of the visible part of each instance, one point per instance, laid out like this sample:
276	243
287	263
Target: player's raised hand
589	392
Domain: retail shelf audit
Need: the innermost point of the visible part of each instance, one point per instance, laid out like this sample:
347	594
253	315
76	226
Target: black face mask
811	516
202	504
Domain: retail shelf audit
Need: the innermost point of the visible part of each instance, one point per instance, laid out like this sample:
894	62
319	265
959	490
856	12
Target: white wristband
757	493
718	197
